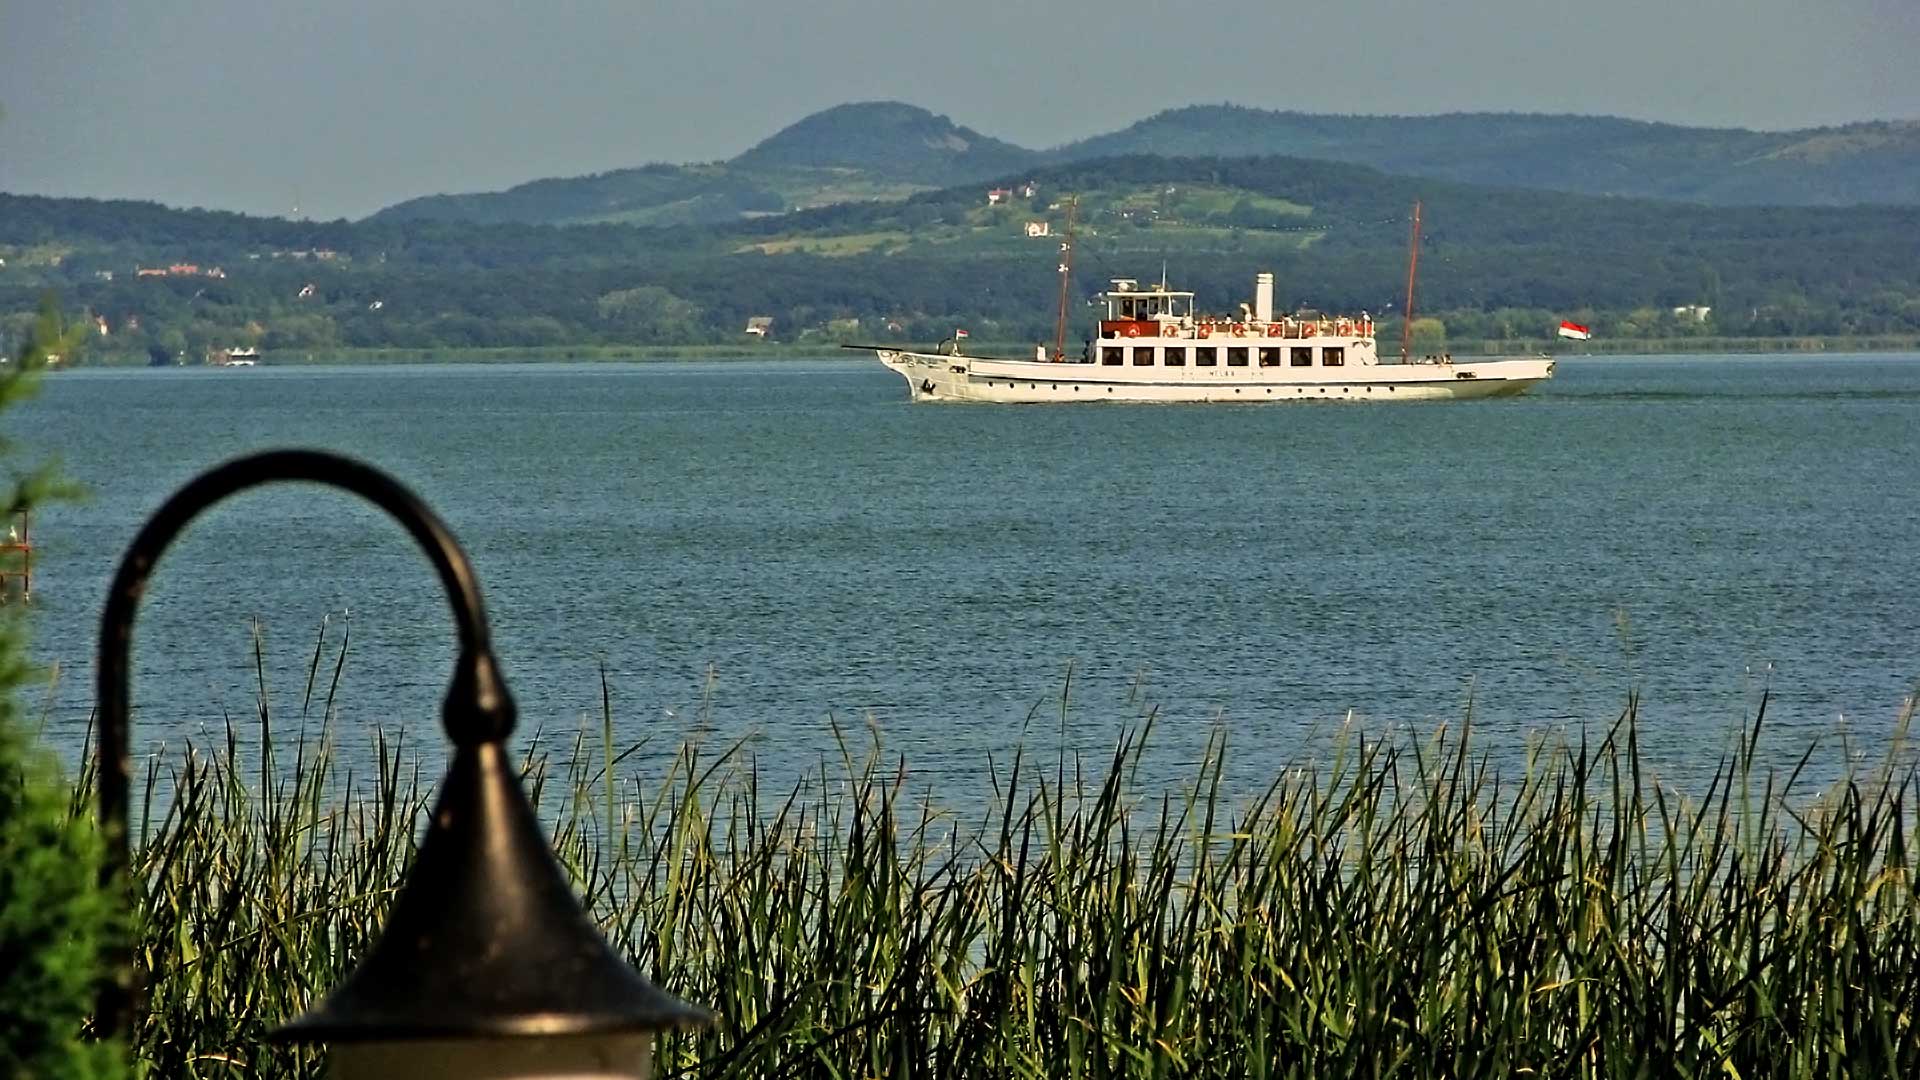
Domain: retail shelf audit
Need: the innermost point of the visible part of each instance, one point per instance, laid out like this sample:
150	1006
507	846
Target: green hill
657	195
1336	236
892	140
851	153
1859	163
650	195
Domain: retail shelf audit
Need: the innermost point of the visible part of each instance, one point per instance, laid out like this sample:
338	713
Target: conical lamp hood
486	937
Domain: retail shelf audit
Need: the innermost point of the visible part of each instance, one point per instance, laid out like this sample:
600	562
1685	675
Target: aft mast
1413	264
1066	276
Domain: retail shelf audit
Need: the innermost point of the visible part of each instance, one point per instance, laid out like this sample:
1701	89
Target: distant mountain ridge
870	151
1871	162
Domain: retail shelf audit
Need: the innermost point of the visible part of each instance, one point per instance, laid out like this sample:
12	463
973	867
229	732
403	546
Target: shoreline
1887	343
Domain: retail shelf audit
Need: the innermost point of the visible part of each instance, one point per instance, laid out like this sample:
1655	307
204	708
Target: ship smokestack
1263	298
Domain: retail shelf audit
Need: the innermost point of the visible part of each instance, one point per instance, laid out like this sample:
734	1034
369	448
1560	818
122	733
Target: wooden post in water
16	559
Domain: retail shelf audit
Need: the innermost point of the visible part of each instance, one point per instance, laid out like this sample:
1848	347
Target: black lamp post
488	966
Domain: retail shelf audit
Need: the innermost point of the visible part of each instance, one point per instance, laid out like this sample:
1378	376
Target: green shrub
53	914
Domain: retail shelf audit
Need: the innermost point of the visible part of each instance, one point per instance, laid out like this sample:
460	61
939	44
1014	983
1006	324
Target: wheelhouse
1128	307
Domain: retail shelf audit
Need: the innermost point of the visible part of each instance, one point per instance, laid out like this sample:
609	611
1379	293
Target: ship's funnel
1263	298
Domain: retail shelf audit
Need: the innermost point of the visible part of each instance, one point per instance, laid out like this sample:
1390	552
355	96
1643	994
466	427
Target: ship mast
1413	264
1066	276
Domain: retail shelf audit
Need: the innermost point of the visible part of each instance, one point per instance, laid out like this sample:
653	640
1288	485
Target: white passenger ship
1152	346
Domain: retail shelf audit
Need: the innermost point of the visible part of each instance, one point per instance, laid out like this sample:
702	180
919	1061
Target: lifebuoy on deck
1308	330
1239	330
1206	330
1133	329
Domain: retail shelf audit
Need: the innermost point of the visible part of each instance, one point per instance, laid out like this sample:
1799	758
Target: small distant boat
245	356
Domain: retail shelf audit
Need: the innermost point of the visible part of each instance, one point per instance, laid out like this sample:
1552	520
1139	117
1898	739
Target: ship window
1110	355
1333	357
1302	357
1269	356
1237	356
1175	356
1143	356
1206	356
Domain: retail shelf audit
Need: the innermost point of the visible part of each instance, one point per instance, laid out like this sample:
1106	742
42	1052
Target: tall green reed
1403	908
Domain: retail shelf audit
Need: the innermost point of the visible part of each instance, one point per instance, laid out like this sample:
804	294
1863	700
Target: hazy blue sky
344	106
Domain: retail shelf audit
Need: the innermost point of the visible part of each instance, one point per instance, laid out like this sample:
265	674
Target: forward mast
1066	280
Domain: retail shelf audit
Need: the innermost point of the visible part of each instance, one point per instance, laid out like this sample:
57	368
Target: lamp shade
486	938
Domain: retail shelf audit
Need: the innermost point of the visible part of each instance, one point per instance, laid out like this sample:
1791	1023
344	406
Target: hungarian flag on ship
1574	330
959	334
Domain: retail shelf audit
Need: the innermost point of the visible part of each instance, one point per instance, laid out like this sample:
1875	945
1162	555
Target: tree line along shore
751	351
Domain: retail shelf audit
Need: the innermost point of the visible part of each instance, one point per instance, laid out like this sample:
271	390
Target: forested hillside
1502	264
1596	155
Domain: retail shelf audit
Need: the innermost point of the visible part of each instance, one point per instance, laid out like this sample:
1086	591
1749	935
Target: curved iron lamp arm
485	938
478	707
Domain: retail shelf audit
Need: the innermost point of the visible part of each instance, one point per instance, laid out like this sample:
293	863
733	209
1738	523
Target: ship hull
936	378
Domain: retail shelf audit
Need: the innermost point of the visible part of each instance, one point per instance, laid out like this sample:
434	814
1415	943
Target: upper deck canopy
1125	299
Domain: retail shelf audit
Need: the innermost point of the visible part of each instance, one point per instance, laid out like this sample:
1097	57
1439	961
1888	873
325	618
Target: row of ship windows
1298	391
1236	355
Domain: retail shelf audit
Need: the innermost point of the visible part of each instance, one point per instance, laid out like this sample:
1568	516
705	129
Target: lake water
765	545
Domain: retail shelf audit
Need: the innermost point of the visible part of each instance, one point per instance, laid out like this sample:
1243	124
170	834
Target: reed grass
1400	908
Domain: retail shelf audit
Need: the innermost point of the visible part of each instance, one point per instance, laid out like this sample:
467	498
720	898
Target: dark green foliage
54	916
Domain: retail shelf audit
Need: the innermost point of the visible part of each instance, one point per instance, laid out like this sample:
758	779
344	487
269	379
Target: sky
333	108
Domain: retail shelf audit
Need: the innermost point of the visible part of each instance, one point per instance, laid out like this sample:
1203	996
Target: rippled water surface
764	545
